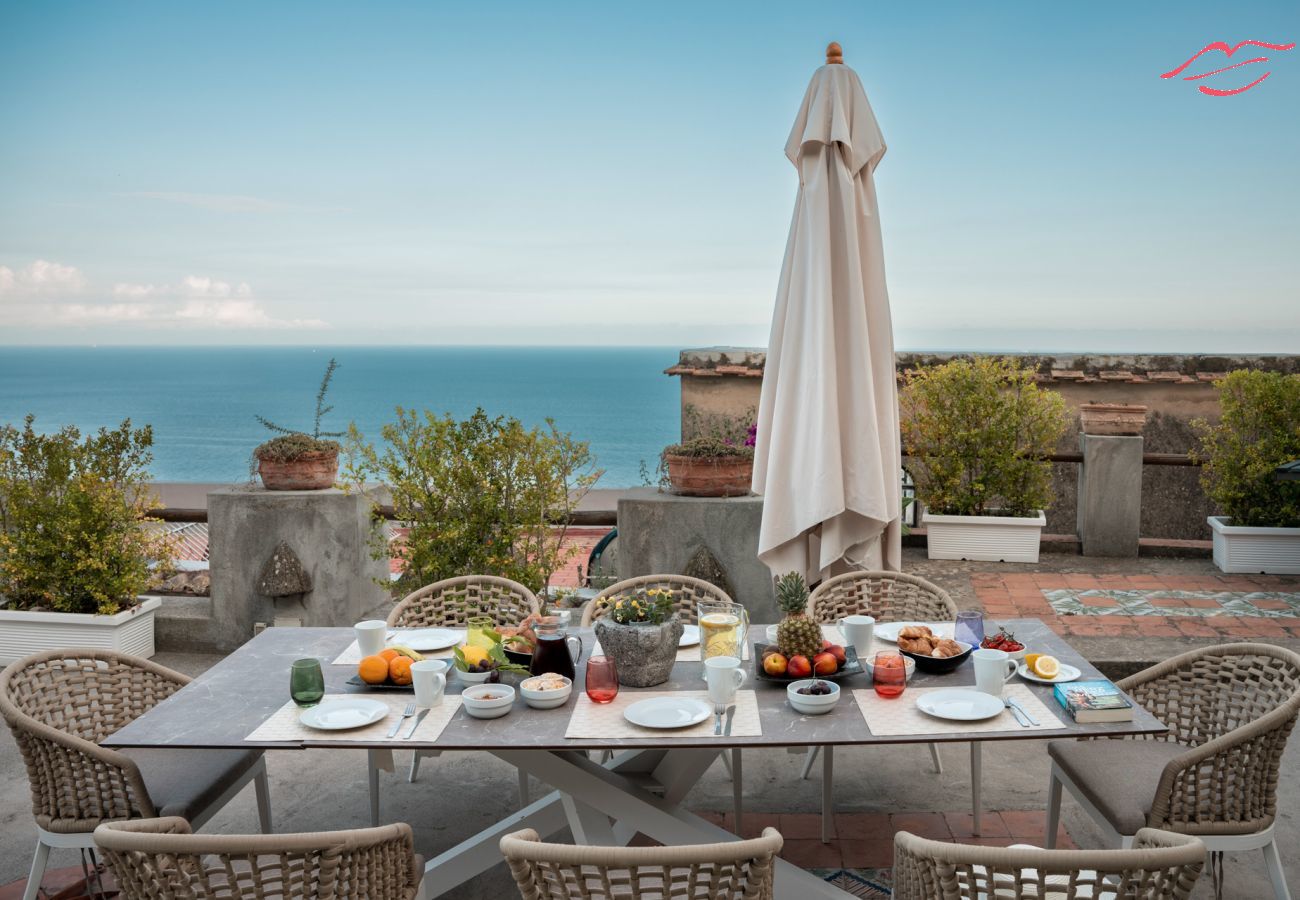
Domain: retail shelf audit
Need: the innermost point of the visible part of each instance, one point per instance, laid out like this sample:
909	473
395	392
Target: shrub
482	496
976	431
292	444
71	538
1259	430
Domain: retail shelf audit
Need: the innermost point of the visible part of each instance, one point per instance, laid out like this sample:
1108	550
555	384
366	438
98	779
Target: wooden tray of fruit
774	666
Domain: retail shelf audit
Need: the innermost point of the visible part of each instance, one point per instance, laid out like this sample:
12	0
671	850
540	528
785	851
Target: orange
389	654
399	670
373	670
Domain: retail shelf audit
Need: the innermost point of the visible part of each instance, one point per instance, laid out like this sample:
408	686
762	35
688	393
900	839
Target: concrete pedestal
1110	495
328	530
659	533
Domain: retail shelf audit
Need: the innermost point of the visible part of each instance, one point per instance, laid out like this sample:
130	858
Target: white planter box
1238	548
130	631
991	538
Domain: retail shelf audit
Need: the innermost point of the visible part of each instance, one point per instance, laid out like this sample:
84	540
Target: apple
838	652
798	667
824	663
774	664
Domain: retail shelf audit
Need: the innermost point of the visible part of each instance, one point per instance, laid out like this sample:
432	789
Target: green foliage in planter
291	444
1259	431
714	435
976	431
482	496
70	518
653	606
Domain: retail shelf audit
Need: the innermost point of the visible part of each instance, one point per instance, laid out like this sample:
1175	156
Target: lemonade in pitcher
723	627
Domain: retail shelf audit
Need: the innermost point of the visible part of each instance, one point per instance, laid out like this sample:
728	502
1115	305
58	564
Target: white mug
993	669
858	632
372	634
724	675
429	676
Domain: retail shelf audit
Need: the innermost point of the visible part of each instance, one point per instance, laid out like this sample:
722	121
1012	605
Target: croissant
915	631
946	648
921	645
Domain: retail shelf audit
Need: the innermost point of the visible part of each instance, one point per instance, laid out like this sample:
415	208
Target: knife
1028	717
731	714
418	719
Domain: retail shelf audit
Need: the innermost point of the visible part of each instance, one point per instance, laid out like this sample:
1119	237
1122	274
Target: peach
824	663
798	667
774	664
838	652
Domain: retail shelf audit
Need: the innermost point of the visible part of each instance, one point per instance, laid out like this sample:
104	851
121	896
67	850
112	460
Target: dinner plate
889	630
959	704
667	712
340	715
690	636
1067	673
427	639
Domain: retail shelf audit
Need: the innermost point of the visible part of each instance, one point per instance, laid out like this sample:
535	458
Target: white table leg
471	857
976	785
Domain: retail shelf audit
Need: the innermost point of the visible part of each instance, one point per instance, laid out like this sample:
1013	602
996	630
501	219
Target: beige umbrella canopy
827	457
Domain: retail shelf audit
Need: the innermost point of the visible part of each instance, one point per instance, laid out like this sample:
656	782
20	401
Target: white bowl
471	677
503	700
545	699
812	704
909	667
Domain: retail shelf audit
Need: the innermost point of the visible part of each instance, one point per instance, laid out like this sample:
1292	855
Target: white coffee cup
858	632
993	669
429	676
724	675
372	634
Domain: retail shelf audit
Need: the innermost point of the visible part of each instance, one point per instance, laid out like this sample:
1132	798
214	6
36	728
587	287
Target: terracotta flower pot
309	472
710	476
1112	418
643	654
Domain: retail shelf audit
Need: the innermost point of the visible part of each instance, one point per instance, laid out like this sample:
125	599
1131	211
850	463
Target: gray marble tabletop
227	702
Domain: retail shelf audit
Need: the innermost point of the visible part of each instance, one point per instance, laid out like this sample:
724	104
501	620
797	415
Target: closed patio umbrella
827	457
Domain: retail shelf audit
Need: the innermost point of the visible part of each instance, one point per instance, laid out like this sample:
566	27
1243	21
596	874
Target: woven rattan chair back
451	602
888	596
687	592
59	704
1161	866
159	859
726	871
1242	697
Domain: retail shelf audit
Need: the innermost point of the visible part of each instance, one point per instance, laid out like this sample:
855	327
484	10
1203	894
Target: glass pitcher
723	628
552	653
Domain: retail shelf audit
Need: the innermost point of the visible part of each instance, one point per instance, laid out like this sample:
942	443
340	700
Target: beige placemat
901	716
351	654
283	724
605	720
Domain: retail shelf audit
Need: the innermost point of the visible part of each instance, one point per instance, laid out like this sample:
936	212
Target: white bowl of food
546	691
869	668
471	677
488	701
813	696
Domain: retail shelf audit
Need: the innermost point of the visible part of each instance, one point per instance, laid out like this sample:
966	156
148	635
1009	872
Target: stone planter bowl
1112	418
709	476
310	472
643	654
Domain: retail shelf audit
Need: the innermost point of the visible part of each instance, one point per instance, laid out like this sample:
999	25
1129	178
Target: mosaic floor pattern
1197	604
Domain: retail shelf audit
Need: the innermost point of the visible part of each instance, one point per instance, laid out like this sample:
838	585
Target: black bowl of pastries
932	654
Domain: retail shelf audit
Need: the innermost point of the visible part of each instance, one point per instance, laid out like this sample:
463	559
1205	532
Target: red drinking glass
889	674
602	679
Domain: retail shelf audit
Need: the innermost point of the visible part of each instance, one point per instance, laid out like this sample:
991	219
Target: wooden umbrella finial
834	54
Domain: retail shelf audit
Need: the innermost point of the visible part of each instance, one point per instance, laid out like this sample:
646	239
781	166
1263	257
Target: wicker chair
1229	710
1160	866
687	592
59	704
159	859
734	870
450	604
887	597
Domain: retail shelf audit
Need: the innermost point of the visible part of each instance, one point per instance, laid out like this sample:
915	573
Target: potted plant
717	460
1259	430
295	460
640	631
977	432
74	554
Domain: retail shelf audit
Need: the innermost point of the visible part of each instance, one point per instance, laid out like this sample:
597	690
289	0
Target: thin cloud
236	203
41	277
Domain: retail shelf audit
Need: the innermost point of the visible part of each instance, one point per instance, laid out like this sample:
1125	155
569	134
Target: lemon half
1046	667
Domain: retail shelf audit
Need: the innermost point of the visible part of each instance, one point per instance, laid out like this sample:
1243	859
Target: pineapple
796	635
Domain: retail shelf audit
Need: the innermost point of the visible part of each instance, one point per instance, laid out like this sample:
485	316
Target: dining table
643	782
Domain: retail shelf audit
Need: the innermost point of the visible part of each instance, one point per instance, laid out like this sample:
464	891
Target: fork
406	714
1016	711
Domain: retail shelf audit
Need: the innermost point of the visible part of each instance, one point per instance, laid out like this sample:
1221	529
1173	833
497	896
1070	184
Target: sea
203	401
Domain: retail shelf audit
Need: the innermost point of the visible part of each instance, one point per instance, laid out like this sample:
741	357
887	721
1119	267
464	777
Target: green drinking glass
306	682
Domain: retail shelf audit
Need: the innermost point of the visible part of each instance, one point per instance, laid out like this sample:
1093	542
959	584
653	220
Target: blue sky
572	173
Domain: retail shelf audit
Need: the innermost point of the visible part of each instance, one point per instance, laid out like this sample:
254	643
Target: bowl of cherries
1006	642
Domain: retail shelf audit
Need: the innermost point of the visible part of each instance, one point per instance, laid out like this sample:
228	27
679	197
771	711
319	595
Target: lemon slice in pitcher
1046	667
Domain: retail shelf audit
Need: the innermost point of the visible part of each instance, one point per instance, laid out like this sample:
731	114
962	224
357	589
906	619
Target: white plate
667	712
340	715
1067	673
889	630
690	636
427	639
960	704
